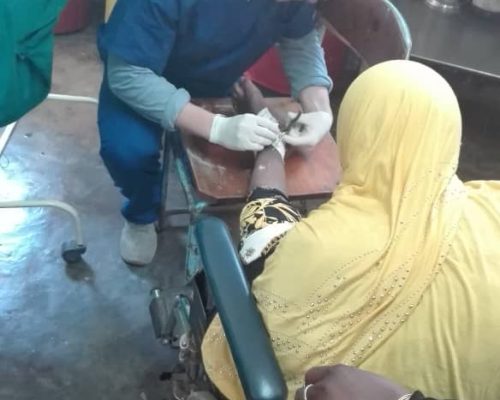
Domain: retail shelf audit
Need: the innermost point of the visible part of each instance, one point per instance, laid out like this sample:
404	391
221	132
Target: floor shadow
80	272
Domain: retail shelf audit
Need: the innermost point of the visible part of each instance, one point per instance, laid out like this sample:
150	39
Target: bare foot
247	98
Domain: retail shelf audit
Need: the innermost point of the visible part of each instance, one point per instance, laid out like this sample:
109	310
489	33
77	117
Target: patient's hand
248	98
347	383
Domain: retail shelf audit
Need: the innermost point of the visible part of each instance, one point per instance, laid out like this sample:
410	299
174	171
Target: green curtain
26	45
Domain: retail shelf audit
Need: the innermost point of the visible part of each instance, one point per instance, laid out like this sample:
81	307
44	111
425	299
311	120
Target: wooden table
223	175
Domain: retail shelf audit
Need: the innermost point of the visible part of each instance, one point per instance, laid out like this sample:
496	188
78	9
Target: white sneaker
138	243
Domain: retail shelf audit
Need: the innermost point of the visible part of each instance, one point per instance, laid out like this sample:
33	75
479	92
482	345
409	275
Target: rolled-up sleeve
304	62
148	94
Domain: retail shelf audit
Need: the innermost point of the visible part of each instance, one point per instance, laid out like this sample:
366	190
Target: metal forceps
294	122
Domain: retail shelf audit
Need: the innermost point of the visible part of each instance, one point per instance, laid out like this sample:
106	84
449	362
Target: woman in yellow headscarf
399	273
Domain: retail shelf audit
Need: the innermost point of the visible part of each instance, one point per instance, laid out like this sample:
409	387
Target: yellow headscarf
347	276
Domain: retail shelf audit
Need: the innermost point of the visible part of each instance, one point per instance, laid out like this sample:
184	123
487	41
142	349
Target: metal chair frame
72	250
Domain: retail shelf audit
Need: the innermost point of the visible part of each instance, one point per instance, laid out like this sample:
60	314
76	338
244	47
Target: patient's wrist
280	148
278	145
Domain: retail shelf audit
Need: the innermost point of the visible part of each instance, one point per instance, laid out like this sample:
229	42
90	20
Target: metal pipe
4	139
78	99
49	203
6	135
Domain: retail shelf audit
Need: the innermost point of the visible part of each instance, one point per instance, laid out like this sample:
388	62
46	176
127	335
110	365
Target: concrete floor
84	332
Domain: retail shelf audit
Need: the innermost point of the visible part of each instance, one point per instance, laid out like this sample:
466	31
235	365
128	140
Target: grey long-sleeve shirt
155	98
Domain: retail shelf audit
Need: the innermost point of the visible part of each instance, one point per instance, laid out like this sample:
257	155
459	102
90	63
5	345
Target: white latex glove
309	129
243	132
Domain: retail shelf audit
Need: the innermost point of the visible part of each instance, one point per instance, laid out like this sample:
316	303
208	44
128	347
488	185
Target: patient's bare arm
269	170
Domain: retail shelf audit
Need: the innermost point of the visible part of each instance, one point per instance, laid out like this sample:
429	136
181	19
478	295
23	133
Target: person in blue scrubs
158	54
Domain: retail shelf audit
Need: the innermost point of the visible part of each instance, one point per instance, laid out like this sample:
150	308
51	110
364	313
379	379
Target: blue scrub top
203	46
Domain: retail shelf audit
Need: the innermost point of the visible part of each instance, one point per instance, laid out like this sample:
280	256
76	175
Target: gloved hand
243	132
309	129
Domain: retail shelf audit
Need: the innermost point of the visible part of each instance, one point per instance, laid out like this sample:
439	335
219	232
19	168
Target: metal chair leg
6	135
193	259
195	207
165	174
72	250
194	204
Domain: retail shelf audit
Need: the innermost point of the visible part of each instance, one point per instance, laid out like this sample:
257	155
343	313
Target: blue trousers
130	149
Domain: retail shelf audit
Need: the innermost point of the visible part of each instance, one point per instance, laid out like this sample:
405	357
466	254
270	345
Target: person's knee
129	156
129	143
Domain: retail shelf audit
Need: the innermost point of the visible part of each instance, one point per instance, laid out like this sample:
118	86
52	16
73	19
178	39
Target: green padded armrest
246	334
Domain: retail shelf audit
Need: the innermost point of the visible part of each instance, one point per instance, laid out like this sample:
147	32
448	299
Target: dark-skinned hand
341	382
